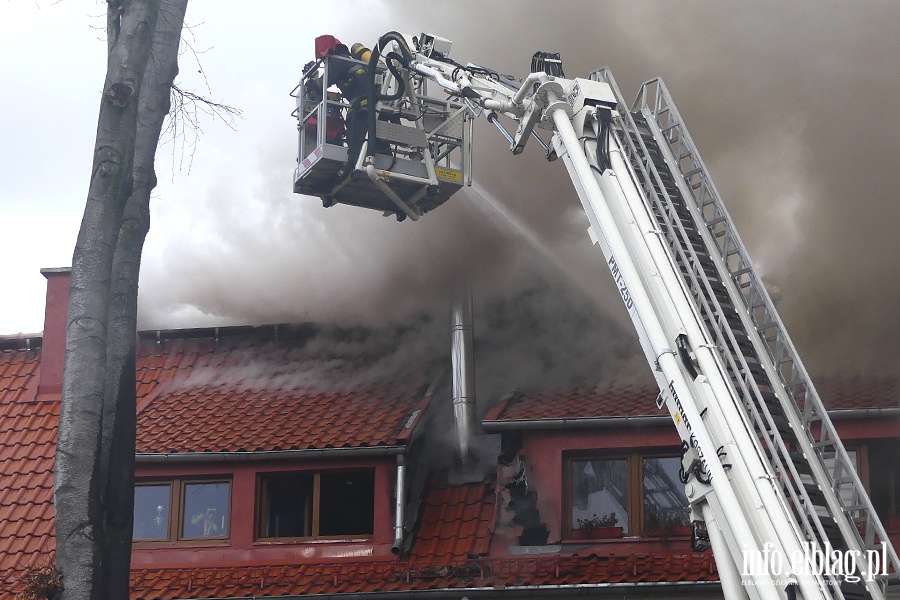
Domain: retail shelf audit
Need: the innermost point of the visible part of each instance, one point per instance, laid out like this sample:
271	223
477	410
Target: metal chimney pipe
463	373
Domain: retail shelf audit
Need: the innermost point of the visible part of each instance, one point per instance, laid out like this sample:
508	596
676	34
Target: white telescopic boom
646	319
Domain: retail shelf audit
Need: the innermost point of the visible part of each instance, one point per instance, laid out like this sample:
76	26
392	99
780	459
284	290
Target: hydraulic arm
764	470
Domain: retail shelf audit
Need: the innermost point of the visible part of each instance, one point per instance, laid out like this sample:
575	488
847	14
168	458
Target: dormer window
303	505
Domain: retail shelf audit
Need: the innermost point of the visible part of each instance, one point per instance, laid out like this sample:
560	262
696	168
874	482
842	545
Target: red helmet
325	44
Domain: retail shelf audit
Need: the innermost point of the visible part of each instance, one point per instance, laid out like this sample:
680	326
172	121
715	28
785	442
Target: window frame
170	530
635	489
177	487
315	524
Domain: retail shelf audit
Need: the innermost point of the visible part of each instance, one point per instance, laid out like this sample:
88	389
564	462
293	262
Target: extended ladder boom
764	470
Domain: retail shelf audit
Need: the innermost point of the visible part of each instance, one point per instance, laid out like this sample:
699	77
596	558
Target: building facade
257	476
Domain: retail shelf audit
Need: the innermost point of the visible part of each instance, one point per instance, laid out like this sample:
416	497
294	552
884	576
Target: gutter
660	589
864	413
498	426
241	456
576	423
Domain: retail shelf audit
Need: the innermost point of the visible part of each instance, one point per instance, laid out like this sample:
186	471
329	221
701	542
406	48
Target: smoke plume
791	106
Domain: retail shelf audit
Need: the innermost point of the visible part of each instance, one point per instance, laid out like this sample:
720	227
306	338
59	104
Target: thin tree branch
186	113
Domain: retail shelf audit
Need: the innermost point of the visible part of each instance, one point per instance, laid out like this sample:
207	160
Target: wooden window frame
635	482
176	513
170	530
259	516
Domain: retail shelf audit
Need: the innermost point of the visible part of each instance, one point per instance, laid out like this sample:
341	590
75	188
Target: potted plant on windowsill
669	524
207	522
598	528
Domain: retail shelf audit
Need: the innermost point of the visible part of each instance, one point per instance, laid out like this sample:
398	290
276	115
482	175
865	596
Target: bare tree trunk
118	433
79	484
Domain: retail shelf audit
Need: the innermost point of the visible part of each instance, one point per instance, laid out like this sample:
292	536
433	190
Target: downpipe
400	505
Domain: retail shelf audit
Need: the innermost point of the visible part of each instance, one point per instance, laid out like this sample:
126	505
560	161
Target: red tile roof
837	393
199	395
27	450
396	576
579	403
849	392
223	418
456	522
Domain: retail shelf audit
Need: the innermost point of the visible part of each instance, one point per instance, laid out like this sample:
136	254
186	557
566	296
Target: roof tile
837	392
27	449
446	505
203	391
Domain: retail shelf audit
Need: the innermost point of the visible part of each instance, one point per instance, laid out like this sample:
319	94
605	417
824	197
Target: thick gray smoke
792	107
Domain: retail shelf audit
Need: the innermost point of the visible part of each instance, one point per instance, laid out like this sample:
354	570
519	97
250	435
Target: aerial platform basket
422	146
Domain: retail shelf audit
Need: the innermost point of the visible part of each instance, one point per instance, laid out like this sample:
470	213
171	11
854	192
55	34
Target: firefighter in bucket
350	77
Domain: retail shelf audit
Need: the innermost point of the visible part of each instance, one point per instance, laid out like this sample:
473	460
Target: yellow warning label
448	174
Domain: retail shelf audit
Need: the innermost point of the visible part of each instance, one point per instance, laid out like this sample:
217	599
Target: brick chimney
53	350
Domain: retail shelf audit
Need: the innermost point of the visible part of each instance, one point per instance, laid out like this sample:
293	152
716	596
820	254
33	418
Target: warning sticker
448	174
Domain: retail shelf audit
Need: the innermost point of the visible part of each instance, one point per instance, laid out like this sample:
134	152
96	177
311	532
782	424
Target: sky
792	106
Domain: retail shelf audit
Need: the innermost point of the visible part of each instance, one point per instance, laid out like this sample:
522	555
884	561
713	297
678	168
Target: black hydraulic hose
372	96
683	475
603	160
701	475
685	355
390	59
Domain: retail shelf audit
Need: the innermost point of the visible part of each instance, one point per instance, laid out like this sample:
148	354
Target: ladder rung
668	128
796	453
692	172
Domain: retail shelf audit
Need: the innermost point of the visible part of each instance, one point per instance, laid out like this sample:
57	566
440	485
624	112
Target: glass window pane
287	505
347	503
206	510
151	511
599	489
664	497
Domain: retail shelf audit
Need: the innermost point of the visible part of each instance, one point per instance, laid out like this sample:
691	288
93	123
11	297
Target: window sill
305	541
599	533
668	532
150	545
626	539
595	541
